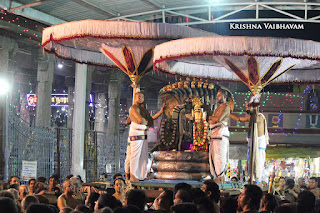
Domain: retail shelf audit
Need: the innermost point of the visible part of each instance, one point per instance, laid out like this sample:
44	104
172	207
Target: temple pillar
8	47
45	74
79	116
69	81
114	94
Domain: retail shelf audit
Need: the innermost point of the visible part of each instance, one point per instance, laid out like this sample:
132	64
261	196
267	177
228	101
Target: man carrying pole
257	138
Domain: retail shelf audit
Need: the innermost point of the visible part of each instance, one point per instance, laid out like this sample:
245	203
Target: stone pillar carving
44	88
114	94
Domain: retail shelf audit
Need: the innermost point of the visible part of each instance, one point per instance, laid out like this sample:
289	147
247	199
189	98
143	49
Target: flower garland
197	140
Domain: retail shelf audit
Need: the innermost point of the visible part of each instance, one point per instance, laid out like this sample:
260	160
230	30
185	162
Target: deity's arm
136	117
238	118
155	116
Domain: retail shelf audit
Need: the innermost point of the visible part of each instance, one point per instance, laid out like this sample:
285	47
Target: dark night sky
311	31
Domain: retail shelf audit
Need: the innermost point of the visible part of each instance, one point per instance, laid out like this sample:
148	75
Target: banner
312	121
29	170
275	120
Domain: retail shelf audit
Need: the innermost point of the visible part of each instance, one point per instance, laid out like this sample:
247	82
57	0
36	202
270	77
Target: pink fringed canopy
256	61
128	45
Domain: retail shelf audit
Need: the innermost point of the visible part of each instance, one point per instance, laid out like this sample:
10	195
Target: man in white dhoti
137	150
258	121
219	137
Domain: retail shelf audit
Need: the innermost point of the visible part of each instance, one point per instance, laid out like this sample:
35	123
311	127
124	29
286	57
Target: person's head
182	196
184	208
289	183
14	180
53	180
313	183
41	208
181	185
76	183
8	205
268	202
117	175
137	198
196	193
222	96
119	185
14	186
281	181
41	179
68	177
27	201
91	200
66	210
211	189
305	201
31	183
164	201
228	205
6	194
250	197
234	179
139	98
39	187
301	181
42	199
104	210
68	188
23	191
103	177
15	193
83	209
204	205
107	200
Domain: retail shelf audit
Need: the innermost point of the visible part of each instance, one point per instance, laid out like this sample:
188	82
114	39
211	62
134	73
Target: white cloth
138	152
219	149
127	161
260	158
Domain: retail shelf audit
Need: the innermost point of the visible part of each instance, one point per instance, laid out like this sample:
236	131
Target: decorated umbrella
255	61
128	45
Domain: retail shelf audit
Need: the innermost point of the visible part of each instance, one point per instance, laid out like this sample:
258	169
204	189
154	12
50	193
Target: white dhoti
219	149
138	150
259	156
127	161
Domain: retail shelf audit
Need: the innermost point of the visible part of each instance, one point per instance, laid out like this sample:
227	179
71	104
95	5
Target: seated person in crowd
31	184
268	203
27	201
23	192
107	200
53	183
249	199
164	201
119	185
211	189
69	197
14	180
313	187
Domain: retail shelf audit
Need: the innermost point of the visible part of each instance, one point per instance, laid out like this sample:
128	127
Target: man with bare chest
70	197
137	151
219	137
257	119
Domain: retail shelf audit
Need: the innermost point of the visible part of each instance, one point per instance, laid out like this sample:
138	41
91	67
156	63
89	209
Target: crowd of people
40	195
